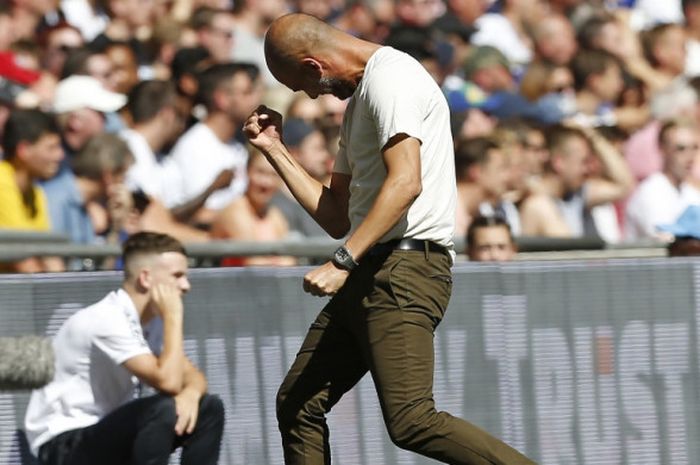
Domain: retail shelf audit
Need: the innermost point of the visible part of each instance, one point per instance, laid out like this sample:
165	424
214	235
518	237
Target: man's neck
675	182
140	301
24	181
152	134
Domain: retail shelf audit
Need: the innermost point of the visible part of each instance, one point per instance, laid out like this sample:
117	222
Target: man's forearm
171	360
318	200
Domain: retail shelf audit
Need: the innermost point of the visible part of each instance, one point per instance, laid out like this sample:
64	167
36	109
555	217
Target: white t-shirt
200	156
396	95
496	30
656	202
147	174
89	380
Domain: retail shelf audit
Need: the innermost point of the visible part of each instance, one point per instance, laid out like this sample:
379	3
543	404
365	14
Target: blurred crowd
571	118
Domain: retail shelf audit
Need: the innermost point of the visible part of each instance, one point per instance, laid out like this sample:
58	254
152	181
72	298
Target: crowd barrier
574	363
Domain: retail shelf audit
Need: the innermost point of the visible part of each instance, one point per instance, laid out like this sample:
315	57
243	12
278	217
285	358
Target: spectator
664	49
555	41
662	197
489	239
251	19
96	176
214	29
229	91
124	66
156	124
32	152
599	84
563	209
252	217
57	42
81	104
482	181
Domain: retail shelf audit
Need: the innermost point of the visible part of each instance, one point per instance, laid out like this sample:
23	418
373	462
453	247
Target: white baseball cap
75	92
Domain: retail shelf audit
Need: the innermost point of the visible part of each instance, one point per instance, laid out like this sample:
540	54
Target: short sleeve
121	342
394	105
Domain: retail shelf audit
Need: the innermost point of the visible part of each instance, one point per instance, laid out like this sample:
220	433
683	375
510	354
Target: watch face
342	255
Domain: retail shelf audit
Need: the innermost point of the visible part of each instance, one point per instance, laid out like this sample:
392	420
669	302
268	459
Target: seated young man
88	414
489	239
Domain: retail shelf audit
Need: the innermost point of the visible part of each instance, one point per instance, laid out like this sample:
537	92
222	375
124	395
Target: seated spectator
598	83
678	100
230	92
542	78
31	152
252	217
662	197
90	412
96	177
489	239
81	104
57	41
664	49
563	208
308	147
214	30
482	181
555	40
490	85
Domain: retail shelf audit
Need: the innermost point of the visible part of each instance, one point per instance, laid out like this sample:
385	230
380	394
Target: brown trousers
382	321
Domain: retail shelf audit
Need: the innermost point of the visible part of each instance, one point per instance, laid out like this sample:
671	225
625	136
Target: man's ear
21	150
312	66
144	280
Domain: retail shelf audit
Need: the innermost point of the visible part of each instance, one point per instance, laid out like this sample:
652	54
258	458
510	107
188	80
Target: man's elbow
338	230
168	385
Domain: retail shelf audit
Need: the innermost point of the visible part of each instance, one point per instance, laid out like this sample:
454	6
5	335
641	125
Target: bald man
88	414
392	196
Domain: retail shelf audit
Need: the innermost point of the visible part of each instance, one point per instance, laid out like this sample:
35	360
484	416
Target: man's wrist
342	258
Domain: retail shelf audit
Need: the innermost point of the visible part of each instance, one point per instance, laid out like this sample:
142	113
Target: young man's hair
558	135
148	243
212	78
672	124
487	222
590	30
651	38
589	63
26	126
147	98
471	152
104	153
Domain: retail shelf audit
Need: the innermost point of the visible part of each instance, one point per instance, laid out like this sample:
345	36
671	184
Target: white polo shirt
655	202
199	156
89	380
397	95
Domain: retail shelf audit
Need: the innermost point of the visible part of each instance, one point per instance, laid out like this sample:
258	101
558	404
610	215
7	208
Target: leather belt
406	244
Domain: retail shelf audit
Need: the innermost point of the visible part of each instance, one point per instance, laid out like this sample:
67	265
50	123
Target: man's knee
293	410
161	408
410	430
212	407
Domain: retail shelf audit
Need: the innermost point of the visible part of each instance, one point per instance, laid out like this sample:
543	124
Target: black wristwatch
343	259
